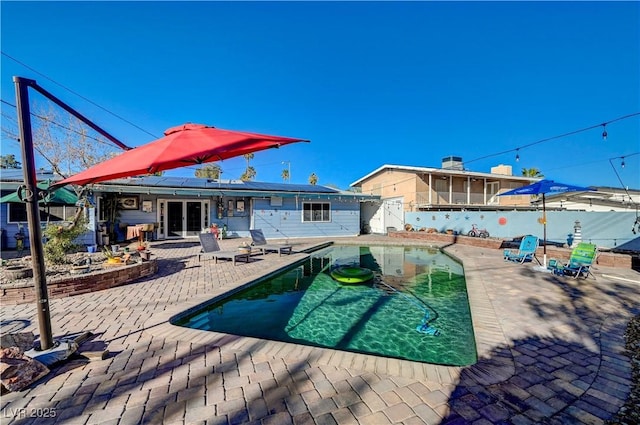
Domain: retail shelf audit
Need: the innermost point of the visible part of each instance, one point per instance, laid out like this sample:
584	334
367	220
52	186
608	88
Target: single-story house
181	207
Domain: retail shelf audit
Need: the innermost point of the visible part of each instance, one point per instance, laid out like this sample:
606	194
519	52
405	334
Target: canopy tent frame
22	86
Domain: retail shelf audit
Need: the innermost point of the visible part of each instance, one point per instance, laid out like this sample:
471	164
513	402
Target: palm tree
531	172
313	179
249	174
285	175
210	171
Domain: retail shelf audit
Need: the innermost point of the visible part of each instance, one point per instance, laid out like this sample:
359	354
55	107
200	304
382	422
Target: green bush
60	240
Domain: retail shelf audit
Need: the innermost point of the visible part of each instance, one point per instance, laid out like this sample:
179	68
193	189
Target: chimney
502	169
452	163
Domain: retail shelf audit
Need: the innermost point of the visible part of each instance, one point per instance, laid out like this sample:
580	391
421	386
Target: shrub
60	240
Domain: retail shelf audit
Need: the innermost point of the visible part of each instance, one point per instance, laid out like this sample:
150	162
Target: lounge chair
526	251
579	264
261	244
211	249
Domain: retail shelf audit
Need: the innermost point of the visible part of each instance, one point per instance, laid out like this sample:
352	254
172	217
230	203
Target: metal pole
544	232
75	113
33	212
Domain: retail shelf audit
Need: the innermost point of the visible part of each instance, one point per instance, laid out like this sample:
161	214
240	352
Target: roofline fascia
208	192
464	173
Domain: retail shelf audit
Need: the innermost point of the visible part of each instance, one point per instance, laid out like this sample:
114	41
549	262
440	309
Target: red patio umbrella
184	145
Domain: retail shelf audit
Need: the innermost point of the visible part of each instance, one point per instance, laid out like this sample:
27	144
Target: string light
547	139
604	131
517	155
622	163
79	95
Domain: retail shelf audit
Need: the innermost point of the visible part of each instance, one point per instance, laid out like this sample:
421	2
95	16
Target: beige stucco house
450	187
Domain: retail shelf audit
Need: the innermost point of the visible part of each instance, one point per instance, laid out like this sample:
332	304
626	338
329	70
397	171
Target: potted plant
111	258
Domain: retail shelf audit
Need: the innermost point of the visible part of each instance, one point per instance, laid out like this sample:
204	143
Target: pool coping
487	331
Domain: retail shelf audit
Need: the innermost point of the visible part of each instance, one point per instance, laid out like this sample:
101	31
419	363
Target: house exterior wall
394	184
225	211
286	221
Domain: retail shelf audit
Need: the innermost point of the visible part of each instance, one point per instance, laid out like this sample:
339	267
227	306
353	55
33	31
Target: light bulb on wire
622	163
517	155
604	132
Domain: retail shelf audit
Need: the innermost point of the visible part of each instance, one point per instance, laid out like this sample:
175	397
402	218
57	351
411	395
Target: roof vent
452	163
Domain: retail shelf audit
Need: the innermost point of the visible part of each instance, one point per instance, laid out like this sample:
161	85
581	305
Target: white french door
181	218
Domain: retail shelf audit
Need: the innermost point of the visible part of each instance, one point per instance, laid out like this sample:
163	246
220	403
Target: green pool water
304	305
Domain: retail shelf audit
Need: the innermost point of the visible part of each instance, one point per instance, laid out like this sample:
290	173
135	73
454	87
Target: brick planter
79	284
446	239
607	259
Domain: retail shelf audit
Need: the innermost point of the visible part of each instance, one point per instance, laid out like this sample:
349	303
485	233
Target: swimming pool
416	308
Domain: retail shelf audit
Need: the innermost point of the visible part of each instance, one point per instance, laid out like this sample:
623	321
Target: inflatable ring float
352	275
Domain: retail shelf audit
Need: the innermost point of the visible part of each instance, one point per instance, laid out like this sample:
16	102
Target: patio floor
550	351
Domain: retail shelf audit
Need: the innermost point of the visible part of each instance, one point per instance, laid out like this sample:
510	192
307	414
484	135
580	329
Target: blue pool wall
606	229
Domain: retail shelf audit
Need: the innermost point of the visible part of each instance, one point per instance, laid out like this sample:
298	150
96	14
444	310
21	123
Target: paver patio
551	350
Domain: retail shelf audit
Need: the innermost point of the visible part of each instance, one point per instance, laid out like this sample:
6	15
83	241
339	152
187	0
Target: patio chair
526	251
579	264
261	244
211	249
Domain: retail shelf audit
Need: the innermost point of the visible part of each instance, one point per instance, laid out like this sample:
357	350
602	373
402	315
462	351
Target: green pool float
352	275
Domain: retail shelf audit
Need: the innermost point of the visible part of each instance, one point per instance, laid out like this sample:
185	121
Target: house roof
203	186
600	195
17	175
203	183
197	186
442	171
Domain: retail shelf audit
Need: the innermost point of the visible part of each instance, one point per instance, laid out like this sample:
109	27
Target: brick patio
550	350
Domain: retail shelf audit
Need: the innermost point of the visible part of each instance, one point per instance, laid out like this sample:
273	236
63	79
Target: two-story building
404	189
448	188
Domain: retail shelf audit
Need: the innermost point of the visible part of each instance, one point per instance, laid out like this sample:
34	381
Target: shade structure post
33	212
544	233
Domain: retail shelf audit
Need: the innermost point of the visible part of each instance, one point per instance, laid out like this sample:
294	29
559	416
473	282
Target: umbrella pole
544	233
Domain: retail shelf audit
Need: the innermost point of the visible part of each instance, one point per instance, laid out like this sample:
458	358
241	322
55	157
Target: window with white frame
316	211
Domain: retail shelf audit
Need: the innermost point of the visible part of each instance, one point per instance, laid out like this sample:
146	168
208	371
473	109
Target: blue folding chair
526	252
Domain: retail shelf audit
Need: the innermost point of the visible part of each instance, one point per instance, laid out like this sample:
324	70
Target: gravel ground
53	271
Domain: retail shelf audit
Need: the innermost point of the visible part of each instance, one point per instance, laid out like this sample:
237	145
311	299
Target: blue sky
369	83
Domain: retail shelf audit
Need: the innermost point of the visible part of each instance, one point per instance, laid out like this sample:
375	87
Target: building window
18	213
316	211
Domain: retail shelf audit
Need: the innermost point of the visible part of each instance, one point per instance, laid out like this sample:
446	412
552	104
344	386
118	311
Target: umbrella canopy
184	145
59	196
543	187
